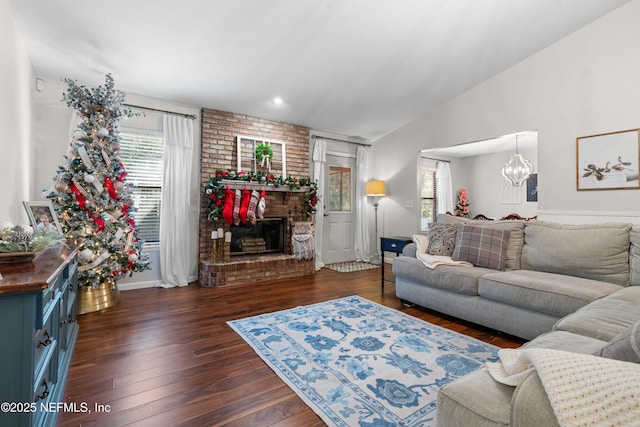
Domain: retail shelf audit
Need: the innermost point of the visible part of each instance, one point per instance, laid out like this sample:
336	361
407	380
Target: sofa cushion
567	341
634	255
624	346
605	318
592	251
481	246
454	278
516	235
549	293
442	238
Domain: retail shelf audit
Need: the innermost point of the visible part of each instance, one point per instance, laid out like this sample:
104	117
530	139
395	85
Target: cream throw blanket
583	390
432	261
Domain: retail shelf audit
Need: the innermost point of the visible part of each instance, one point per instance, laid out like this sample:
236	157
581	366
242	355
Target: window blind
142	156
428	205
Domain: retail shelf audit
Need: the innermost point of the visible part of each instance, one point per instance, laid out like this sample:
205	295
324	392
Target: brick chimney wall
219	151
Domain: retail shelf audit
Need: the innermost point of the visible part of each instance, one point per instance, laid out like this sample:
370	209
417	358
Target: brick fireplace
218	151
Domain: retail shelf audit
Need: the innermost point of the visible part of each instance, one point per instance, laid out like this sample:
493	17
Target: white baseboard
138	285
148	284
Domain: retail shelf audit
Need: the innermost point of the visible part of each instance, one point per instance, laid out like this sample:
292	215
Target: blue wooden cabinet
38	331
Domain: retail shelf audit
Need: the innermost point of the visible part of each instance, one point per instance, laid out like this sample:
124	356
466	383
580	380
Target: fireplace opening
265	236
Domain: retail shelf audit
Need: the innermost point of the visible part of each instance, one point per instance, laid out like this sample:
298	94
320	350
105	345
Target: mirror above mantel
477	166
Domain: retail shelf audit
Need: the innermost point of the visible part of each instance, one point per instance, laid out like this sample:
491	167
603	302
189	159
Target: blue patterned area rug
358	363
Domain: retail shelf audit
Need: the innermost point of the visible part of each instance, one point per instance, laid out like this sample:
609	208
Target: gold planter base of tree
104	296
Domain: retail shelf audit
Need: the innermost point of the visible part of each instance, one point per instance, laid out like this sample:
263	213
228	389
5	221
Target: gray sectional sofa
565	287
551	270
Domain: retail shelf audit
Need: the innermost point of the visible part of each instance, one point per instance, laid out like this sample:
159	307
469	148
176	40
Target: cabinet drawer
67	321
43	391
49	298
43	386
52	291
71	296
45	339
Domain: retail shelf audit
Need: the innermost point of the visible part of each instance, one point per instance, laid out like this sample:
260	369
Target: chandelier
518	169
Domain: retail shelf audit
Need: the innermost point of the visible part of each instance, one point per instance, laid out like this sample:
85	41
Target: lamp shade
375	188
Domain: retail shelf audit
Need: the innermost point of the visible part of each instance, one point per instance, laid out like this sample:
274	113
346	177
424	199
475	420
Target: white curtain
444	189
319	161
362	229
175	221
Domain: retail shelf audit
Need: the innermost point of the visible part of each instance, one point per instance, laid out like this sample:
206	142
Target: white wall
16	80
51	137
585	84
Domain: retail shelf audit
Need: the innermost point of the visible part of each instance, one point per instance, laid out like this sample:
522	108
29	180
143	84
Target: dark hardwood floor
166	357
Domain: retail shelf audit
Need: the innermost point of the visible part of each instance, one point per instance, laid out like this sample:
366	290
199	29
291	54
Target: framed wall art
608	161
253	158
532	188
42	216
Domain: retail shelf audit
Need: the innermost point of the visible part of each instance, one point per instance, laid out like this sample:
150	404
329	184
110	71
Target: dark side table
391	244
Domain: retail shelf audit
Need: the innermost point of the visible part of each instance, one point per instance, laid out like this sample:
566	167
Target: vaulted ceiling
358	68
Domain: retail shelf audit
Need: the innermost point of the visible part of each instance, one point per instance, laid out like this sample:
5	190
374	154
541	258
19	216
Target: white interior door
338	244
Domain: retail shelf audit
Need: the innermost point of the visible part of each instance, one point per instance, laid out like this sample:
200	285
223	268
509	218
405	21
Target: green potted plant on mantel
264	154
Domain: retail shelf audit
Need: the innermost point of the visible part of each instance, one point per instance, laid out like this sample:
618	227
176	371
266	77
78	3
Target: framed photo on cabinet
42	216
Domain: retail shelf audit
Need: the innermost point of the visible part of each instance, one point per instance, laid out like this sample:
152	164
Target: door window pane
339	189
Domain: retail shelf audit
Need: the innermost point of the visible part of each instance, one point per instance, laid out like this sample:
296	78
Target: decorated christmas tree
462	204
91	195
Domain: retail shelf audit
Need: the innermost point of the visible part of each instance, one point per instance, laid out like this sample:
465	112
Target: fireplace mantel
236	184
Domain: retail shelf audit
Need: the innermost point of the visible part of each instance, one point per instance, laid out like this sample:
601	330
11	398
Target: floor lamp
377	190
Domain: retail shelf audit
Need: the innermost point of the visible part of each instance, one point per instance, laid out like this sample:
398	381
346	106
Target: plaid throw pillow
481	246
442	238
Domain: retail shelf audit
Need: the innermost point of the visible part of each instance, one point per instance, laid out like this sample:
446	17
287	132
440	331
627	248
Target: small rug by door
358	363
349	266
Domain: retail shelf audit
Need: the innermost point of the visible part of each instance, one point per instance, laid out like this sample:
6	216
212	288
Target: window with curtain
142	156
428	207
